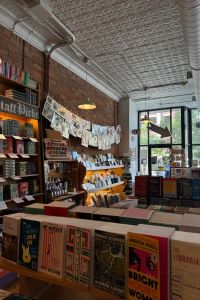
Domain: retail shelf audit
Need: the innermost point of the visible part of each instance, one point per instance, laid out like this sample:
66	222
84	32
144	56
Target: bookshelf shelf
106	187
28	274
105	168
15	83
31	175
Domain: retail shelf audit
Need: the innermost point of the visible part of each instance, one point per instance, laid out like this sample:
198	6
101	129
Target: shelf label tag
23	155
2	137
15	177
12	155
2	179
16	137
3	205
2	155
18	200
29	198
33	140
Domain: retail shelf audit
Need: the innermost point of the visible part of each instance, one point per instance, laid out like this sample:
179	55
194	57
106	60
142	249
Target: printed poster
56	122
143	267
47	111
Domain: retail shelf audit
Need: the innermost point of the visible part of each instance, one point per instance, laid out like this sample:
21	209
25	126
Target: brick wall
66	87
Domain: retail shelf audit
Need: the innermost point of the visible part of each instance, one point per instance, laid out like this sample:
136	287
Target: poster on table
47	112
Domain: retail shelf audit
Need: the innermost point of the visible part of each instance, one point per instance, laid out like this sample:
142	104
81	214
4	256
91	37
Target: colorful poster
109	262
29	243
143	267
52	249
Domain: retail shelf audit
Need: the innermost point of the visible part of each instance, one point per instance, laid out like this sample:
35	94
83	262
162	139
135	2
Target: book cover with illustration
29	243
154	186
143	267
185	262
52	249
69	252
109	262
10	237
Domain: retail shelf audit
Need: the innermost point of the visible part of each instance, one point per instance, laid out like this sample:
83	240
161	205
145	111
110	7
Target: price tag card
2	155
24	155
15	177
33	140
18	200
2	137
29	198
12	155
2	179
16	137
3	205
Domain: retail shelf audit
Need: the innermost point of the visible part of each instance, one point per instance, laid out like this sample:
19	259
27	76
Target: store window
195	117
160	118
154	151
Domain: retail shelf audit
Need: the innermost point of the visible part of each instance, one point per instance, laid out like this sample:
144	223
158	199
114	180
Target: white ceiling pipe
190	19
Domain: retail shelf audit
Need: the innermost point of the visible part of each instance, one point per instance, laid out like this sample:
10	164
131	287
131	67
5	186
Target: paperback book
29	243
52	249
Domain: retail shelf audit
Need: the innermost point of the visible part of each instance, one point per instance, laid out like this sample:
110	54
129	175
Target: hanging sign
18	108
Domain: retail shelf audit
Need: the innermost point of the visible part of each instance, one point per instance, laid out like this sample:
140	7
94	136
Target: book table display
32	283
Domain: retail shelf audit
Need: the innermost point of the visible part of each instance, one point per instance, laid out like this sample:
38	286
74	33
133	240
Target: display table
35	283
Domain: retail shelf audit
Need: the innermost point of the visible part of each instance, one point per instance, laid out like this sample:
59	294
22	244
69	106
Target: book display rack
20	155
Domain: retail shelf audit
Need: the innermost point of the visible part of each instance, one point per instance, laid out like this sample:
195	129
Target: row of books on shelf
156	186
12	72
27	96
10	168
126	260
17	190
15	128
9	145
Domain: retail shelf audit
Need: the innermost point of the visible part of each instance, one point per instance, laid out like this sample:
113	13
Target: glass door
159	161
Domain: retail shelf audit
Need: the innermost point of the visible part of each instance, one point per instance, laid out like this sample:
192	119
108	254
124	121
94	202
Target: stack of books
166	219
15	94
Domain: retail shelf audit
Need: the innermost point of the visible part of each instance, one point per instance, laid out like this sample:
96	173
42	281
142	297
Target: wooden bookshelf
23	112
27	276
105	168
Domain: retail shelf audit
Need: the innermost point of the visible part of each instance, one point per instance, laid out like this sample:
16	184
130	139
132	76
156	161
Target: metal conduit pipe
190	19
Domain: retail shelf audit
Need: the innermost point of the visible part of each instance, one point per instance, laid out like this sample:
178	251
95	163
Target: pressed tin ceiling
138	43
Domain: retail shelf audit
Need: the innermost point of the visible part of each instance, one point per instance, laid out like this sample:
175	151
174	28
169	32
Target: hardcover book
136	216
23	188
8	145
169	187
52	249
184	188
185	262
141	185
82	212
196	188
29	243
108	214
57	208
154	186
